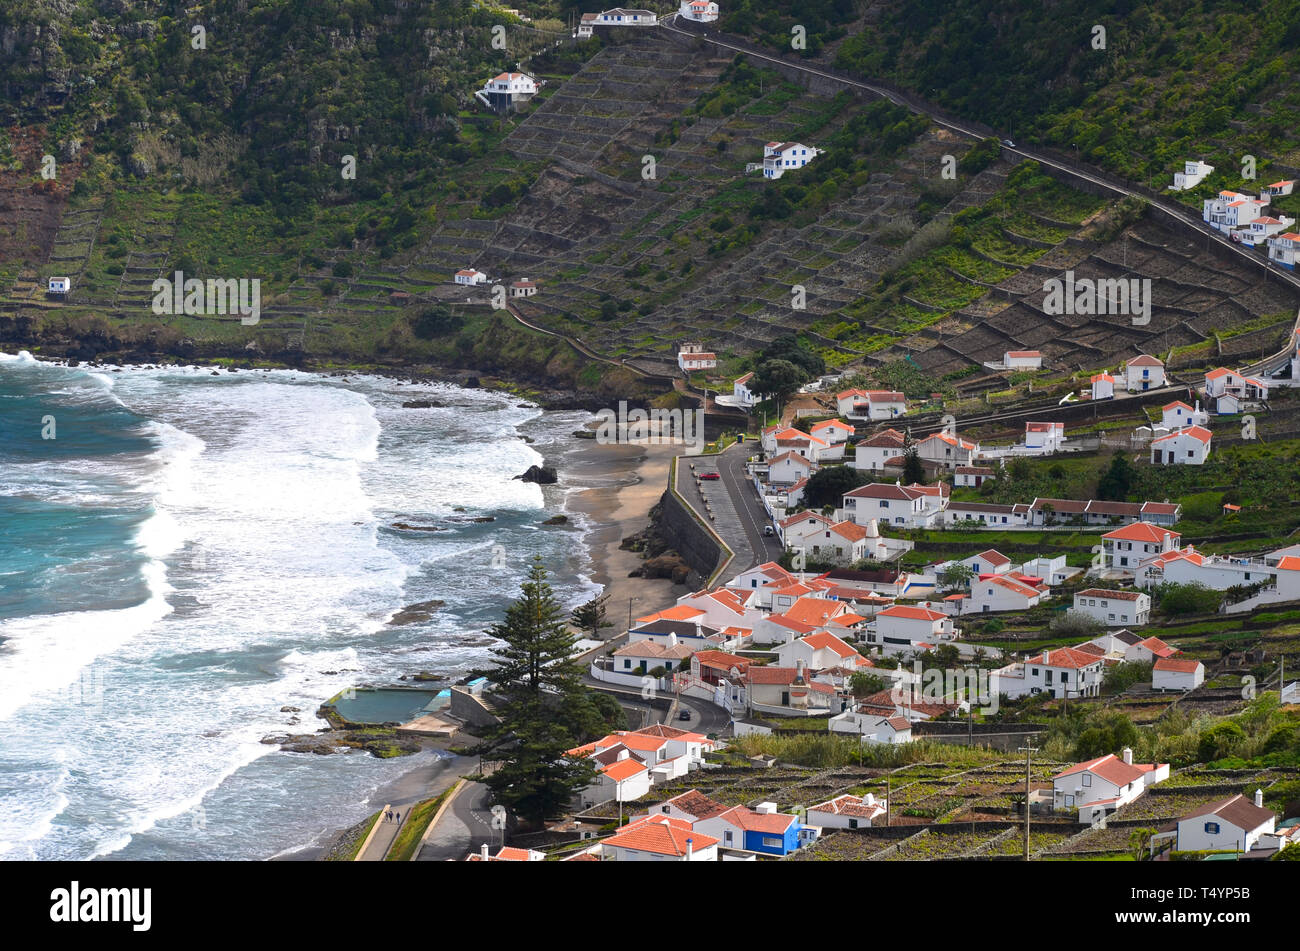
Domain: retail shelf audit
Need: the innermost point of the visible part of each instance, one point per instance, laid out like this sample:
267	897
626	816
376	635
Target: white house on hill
1186	447
1193	174
701	11
1114	608
693	356
781	157
1144	372
469	277
1100	786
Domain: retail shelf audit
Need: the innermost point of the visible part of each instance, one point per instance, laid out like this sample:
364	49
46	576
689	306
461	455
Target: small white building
1230	210
833	431
907	506
659	839
875	452
847	812
1260	230
1001	593
1144	372
972	476
1114	608
1177	415
741	395
624	17
781	157
788	468
901	628
59	285
1232	823
469	277
1284	249
1125	548
1103	386
1186	447
701	11
523	288
1100	786
870	404
1193	174
1022	360
693	356
1064	672
507	89
1277	189
1044	437
1173	673
947	449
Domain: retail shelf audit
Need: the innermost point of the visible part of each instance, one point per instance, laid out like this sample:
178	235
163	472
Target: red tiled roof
1108	593
1175	666
661	835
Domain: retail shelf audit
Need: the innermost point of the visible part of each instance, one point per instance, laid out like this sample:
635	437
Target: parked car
710	476
684	715
1008	143
767	530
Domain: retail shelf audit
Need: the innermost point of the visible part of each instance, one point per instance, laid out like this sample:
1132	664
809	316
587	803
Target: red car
710	476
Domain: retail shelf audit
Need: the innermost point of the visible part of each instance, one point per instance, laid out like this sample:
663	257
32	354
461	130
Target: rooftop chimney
1259	798
1127	753
690	848
483	852
766	808
672	638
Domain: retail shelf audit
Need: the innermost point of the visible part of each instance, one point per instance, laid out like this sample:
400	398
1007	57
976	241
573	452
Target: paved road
463	828
738	513
446	773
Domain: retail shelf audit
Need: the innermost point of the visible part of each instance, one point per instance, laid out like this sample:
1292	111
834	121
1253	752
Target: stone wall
696	544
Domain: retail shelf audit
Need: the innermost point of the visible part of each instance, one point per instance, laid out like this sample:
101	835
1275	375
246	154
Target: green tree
542	706
864	684
1221	740
955	575
1073	623
1139	841
777	379
1117	481
591	618
913	468
827	486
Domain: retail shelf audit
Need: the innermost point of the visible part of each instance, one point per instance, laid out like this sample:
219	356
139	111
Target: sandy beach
616	511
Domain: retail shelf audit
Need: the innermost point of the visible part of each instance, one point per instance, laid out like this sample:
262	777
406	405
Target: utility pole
1027	750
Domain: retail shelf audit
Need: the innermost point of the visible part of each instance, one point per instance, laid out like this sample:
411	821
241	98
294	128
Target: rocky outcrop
542	475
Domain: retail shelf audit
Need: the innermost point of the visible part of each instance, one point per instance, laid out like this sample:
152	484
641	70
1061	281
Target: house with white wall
1125	548
741	395
693	356
870	404
1114	608
870	726
1100	786
874	453
1233	823
1189	566
1044	437
972	476
620	16
947	449
659	839
781	157
701	11
1022	360
1278	189
507	89
1284	249
1174	673
1231	210
1144	372
907	506
847	812
819	651
1103	386
1186	447
469	277
788	468
994	593
1177	415
1227	390
1148	651
900	628
1261	229
1193	174
834	432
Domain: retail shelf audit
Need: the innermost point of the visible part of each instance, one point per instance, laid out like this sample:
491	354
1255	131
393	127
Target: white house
1064	672
659	839
909	506
1186	447
1178	414
947	449
1228	390
972	476
470	277
59	285
1144	372
833	431
1189	566
741	394
1277	189
1045	437
507	89
870	404
780	157
624	778
989	561
1148	651
874	453
1053	571
693	356
846	812
588	21
776	440
1173	673
1100	786
1231	210
1284	249
1103	386
644	655
1261	229
818	651
902	628
870	726
623	17
701	11
1232	823
690	807
788	468
1193	174
523	288
1001	593
1127	547
1022	360
1114	608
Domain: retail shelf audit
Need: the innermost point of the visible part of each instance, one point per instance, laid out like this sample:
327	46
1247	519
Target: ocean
193	550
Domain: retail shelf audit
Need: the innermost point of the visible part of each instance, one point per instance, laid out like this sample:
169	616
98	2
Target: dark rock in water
290	710
557	520
403	526
542	475
472	383
459	508
584	434
426	675
474	518
527	439
416	613
423	404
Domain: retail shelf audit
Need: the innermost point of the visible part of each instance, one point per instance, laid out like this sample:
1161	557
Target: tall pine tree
543	707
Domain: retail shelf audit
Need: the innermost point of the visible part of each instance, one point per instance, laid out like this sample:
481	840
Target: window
853	823
884	504
1087	779
772	842
727	837
1212	828
1065	676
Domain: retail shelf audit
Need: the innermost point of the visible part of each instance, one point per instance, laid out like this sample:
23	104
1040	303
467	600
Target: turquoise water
385	706
192	553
